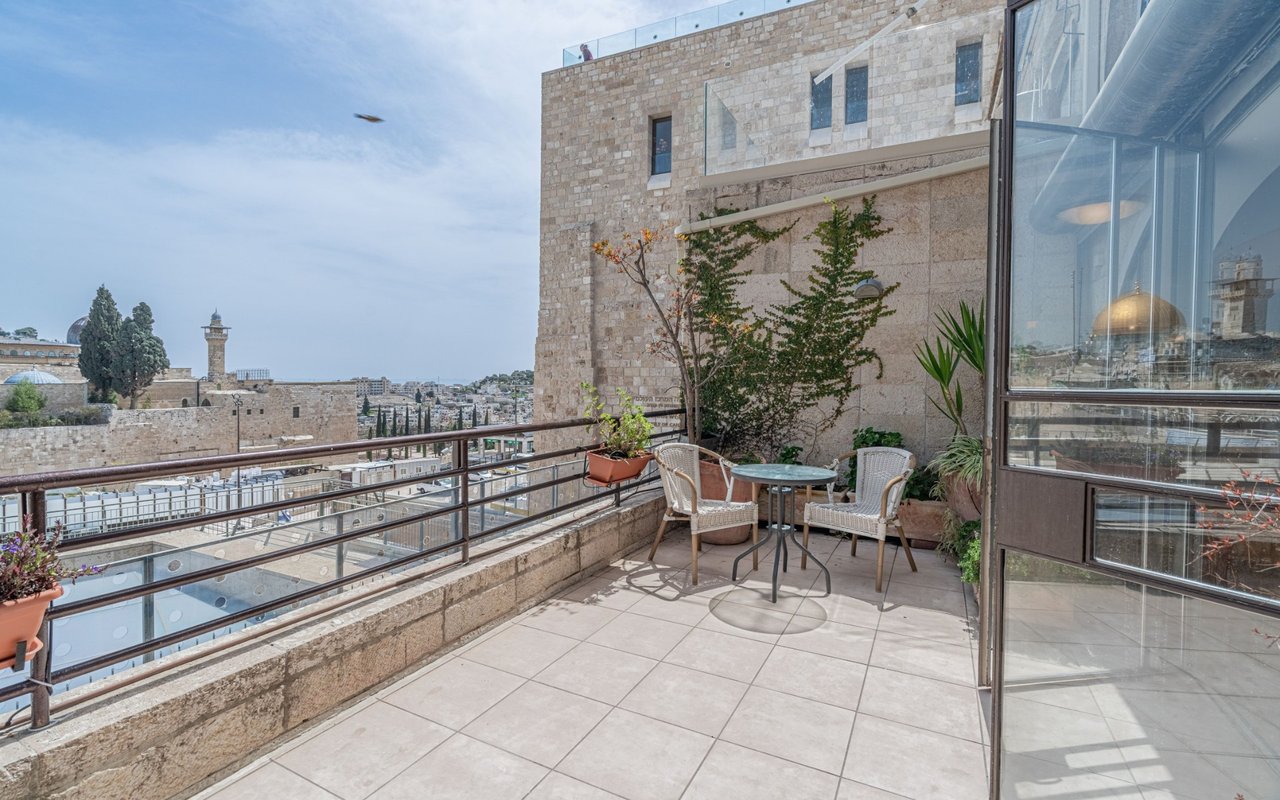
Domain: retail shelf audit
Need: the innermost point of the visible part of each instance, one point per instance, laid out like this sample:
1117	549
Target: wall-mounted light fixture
868	289
1098	213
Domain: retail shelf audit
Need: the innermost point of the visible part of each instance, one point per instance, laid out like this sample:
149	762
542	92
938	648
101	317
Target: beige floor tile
720	654
537	722
926	623
456	693
730	771
274	781
929	659
923	702
568	618
841	608
381	739
952	601
852	790
758	597
601	673
915	763
557	786
850	642
684	609
521	650
814	676
603	593
804	731
465	769
644	636
637	757
686	697
759	624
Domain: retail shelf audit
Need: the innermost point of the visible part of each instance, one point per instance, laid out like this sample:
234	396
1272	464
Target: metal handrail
32	489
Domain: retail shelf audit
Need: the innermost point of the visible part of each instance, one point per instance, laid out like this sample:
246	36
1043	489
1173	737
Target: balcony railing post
462	462
341	554
34	506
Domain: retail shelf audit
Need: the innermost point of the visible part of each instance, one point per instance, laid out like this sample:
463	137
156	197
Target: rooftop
636	684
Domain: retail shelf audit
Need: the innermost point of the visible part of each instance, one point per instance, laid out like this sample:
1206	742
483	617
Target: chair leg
853	544
804	551
906	548
755	540
697	545
880	569
653	551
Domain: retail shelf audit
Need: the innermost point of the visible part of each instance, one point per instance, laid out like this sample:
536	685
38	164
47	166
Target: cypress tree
138	355
97	341
366	410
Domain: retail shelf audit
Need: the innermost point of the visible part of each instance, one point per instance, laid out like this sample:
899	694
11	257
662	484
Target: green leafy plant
790	455
957	534
962	458
624	436
922	485
961	339
870	437
25	399
971	562
29	563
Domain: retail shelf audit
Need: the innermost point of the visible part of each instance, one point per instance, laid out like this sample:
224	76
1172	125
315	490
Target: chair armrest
888	488
693	489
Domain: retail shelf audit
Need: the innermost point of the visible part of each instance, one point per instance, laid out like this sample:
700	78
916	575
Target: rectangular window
969	73
660	146
296	412
855	95
819	104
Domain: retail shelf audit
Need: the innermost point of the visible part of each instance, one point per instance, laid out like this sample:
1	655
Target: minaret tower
215	333
1240	296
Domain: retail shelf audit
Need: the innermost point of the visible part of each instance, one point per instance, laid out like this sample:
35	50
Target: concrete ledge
171	733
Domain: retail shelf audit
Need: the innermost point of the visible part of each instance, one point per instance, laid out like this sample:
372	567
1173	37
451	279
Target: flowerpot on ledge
607	470
923	522
714	488
20	621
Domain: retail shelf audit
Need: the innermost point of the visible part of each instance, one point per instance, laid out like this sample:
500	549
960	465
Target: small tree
97	342
26	333
25	399
365	408
417	396
138	355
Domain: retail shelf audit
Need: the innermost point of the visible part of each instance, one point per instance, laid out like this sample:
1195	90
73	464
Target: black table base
778	529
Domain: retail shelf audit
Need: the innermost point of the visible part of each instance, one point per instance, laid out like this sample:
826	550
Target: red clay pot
605	469
20	620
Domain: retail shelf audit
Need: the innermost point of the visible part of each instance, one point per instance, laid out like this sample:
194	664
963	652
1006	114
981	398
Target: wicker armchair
873	510
682	483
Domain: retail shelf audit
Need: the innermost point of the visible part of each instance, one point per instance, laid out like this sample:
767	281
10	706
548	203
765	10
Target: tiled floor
636	684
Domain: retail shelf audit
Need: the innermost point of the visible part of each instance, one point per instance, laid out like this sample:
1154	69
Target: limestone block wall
594	325
58	396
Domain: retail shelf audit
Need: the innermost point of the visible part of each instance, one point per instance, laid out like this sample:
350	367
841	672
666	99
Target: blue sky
204	154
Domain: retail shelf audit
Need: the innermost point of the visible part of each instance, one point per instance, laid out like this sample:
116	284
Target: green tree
138	355
97	341
417	396
26	333
25	399
461	425
366	409
486	416
475	421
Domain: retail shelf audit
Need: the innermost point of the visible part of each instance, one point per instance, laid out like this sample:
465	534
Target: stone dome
73	333
1137	314
32	376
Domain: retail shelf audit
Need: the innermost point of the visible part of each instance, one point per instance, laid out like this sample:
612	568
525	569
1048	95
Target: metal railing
302	547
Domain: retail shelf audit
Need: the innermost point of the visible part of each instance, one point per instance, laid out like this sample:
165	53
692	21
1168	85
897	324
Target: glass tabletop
784	474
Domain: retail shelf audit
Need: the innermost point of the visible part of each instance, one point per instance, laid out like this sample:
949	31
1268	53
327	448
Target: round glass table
782	480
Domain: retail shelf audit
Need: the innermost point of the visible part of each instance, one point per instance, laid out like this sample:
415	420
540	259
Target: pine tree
417	396
97	340
25	399
138	355
461	424
366	409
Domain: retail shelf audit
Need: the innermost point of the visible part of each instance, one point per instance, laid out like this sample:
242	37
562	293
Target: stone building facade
597	182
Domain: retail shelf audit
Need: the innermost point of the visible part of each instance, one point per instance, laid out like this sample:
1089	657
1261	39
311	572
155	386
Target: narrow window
969	73
819	104
660	146
296	412
855	95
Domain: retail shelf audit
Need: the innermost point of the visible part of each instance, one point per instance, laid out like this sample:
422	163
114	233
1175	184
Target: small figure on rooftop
586	52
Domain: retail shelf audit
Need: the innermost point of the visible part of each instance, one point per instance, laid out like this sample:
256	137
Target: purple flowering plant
29	563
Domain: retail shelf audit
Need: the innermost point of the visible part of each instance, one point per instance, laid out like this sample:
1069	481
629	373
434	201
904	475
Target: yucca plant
963	338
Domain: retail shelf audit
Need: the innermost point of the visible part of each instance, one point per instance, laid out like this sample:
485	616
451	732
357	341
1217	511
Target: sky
202	155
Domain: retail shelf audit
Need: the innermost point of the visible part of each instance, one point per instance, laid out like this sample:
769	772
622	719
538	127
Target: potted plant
624	449
29	581
922	515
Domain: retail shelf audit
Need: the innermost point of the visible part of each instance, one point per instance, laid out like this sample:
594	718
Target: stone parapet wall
58	396
174	733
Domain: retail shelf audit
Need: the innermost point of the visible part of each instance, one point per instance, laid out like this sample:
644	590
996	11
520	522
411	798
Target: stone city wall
58	396
594	325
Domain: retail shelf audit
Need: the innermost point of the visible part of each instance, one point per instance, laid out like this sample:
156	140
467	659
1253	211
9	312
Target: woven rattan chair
873	509
682	483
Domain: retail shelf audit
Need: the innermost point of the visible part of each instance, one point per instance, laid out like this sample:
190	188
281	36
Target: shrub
971	562
870	437
25	399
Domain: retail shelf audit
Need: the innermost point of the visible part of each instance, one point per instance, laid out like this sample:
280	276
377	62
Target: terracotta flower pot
923	522
963	498
20	621
606	469
714	488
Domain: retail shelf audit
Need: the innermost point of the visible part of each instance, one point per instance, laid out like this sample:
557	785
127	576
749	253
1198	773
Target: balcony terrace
636	684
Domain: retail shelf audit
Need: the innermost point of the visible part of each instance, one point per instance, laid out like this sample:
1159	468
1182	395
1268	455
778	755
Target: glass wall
1142	348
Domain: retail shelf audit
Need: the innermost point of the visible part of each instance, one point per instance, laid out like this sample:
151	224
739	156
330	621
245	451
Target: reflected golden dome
1138	313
